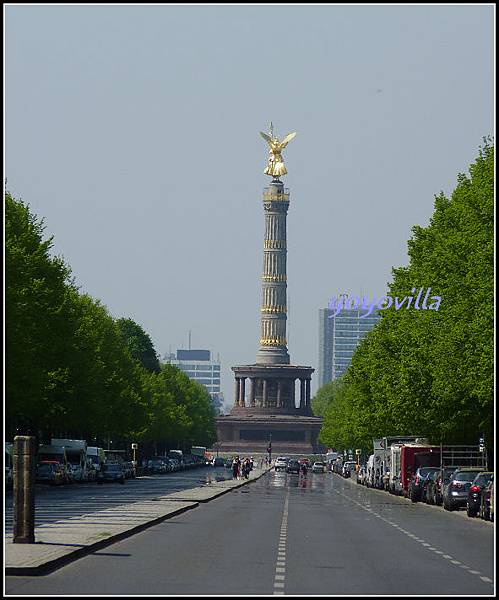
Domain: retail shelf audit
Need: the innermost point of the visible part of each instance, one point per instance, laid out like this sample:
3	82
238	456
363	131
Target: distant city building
339	336
198	366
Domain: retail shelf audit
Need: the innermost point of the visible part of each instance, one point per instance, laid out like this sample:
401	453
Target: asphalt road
288	535
55	503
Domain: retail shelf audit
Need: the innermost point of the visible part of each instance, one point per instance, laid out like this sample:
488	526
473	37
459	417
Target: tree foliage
139	344
73	370
430	372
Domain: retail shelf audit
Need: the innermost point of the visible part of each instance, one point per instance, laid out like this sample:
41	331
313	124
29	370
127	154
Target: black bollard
24	463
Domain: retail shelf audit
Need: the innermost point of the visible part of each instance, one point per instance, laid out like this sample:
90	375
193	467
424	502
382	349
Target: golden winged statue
275	167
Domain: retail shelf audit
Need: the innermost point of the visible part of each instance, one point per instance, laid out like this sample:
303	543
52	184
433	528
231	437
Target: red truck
412	457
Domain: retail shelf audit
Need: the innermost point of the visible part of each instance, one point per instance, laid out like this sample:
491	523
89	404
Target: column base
273	356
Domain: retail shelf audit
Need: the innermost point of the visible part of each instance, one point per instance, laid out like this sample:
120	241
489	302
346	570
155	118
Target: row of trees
73	370
425	372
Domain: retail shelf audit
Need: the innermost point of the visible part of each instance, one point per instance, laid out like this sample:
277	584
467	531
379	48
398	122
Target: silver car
456	491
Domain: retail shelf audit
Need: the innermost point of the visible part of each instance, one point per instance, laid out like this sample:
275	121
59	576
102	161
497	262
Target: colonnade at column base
271	389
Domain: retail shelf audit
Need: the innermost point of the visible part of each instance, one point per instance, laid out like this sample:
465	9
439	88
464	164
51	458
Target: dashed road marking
366	508
280	568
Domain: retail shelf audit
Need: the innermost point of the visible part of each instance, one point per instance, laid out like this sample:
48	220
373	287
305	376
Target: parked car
50	472
486	511
281	463
361	475
348	466
111	472
217	462
318	467
478	486
156	466
293	466
436	483
456	491
419	483
346	471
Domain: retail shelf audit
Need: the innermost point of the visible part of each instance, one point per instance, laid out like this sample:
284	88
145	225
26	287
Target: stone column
292	395
307	393
252	392
242	401
273	343
303	402
236	392
264	398
279	393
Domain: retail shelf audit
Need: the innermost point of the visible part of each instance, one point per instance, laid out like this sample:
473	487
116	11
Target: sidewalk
68	539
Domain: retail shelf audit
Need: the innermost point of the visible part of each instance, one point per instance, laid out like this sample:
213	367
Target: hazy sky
134	131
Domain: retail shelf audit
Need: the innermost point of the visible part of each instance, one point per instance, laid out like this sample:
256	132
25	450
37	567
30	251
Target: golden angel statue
275	167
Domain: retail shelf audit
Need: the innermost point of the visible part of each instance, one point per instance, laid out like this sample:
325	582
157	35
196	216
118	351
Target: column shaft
236	392
302	393
243	390
264	399
252	392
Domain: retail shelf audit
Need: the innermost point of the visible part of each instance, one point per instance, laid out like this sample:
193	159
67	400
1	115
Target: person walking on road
235	468
246	468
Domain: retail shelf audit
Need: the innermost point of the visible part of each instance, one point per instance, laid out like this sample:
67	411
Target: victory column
268	405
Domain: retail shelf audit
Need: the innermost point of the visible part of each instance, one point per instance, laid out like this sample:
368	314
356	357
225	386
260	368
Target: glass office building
198	366
339	336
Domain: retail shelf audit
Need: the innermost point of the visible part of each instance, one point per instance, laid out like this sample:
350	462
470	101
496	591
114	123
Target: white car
281	463
318	467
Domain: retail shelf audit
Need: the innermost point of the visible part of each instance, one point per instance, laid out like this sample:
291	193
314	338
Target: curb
56	563
60	561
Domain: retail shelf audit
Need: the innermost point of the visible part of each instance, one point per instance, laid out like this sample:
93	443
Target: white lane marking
423	543
280	568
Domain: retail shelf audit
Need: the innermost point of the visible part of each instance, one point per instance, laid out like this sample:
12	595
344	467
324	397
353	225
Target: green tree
36	327
139	344
430	372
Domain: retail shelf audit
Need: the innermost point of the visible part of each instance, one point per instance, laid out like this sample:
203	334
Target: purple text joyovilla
337	303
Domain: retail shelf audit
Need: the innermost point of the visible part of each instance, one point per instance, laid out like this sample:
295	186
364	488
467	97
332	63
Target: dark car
293	466
487	502
111	472
419	482
436	484
475	492
156	466
219	462
456	491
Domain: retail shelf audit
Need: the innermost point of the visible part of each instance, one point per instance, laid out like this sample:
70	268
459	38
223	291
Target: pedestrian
235	467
